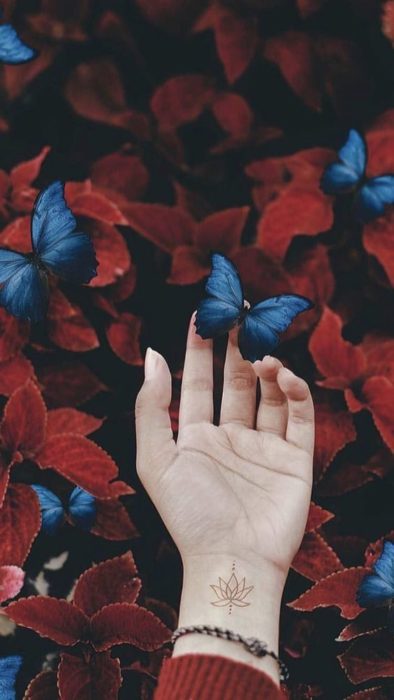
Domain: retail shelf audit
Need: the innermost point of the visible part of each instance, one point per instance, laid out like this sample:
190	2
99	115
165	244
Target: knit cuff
209	677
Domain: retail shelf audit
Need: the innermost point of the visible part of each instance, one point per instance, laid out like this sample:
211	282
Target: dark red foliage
181	128
338	589
103	614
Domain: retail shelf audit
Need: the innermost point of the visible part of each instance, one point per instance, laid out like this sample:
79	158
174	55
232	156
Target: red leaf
81	461
378	394
16	79
181	100
111	581
42	687
347	478
50	617
68	327
69	383
388	20
235	118
379	351
222	230
96	676
236	38
123	288
294	54
262	276
294	213
123	175
334	430
166	227
346	74
124	338
14	334
188	266
95	92
17	235
315	559
14	373
378	241
312	277
84	201
317	517
111	252
24	421
366	623
22	176
302	170
11	582
338	589
309	7
127	623
20	521
337	359
370	656
69	420
5	470
376	693
113	521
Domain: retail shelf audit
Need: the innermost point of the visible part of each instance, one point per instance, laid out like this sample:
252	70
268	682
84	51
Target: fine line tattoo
231	592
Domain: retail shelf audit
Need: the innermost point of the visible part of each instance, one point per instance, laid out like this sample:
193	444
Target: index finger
196	404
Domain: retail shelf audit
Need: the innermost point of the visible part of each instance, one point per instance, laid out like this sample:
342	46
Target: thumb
155	444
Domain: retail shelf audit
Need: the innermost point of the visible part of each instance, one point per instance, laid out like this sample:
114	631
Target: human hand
233	494
243	487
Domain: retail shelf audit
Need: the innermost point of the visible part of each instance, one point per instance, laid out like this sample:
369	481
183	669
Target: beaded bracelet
252	644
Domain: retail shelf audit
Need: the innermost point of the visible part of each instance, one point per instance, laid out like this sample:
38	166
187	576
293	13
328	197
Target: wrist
236	594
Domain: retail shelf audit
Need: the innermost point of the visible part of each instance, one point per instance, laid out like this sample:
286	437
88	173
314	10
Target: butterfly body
225	307
348	174
57	248
81	509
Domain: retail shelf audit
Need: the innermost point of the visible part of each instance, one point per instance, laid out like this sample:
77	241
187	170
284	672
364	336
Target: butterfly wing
24	286
9	667
374	196
374	591
260	330
344	175
220	311
52	511
12	48
64	250
82	508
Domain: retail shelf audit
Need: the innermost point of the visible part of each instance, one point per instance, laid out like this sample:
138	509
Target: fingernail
150	363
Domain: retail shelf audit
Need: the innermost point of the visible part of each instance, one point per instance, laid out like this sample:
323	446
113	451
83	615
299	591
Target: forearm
254	614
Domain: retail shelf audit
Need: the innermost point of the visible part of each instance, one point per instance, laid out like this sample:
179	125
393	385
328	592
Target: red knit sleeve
209	677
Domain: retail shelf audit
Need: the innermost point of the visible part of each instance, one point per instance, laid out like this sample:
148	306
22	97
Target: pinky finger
301	423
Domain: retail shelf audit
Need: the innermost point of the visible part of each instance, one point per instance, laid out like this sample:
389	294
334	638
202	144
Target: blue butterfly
378	588
57	247
9	667
12	48
225	308
348	175
81	508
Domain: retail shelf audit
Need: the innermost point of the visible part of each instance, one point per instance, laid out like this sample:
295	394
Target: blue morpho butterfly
348	175
378	588
81	509
12	48
9	667
57	247
225	308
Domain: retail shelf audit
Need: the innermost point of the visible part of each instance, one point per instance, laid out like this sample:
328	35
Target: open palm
242	487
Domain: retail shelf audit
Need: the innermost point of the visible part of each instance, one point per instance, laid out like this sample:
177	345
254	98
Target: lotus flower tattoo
231	592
